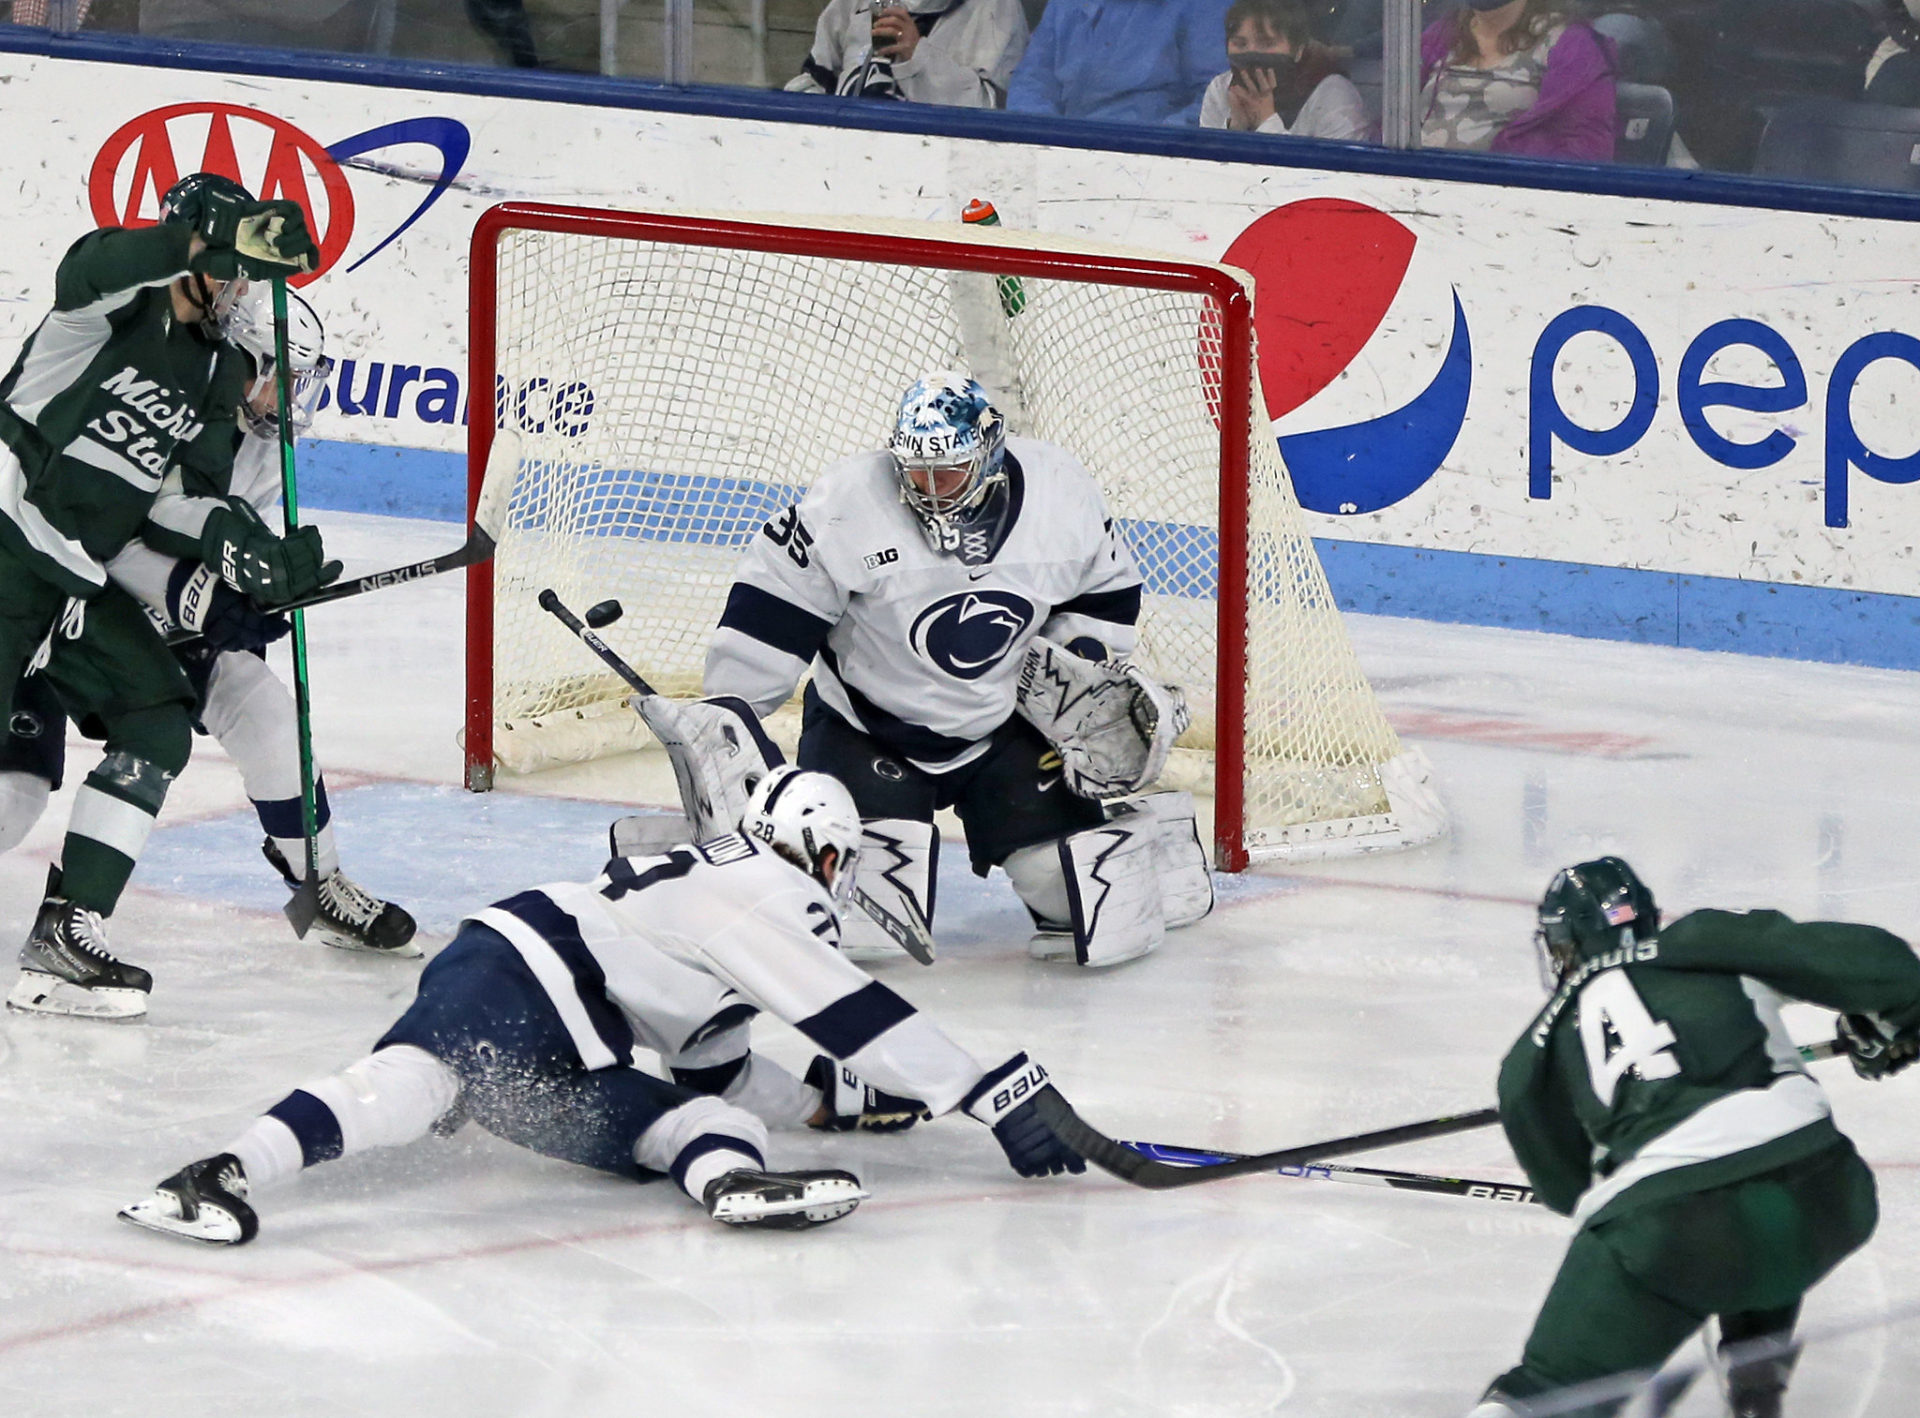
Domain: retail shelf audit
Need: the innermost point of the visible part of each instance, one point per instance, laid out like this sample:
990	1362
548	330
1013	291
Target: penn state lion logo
968	633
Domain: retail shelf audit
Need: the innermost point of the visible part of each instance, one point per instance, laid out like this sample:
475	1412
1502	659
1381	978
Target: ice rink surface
466	1277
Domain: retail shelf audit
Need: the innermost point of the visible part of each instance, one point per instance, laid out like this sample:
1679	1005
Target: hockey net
672	381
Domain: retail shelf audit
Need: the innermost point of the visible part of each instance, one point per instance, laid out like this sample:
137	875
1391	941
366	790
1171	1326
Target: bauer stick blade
1469	1187
1128	1165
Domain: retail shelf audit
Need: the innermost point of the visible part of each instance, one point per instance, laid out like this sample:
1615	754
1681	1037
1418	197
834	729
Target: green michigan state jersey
1661	1066
111	398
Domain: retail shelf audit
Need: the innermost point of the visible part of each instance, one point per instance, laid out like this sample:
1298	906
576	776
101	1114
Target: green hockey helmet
1587	909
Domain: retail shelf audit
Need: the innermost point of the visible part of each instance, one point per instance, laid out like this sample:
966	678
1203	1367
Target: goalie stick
913	936
489	519
1204	1164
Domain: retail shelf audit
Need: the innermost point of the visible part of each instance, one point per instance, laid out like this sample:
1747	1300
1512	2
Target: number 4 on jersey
1621	1036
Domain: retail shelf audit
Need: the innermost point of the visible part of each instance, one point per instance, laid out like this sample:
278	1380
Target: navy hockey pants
481	1012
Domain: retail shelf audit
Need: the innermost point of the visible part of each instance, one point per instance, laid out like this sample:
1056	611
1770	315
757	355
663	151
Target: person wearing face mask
1280	80
1518	76
1893	74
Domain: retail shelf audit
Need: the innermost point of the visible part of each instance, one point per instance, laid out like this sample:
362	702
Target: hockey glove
1877	1049
252	559
257	240
853	1104
1003	1100
197	599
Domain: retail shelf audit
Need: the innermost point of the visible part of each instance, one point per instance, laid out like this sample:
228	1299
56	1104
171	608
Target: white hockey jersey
965	58
664	953
919	650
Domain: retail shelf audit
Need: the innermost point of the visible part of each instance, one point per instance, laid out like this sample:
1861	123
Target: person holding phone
955	52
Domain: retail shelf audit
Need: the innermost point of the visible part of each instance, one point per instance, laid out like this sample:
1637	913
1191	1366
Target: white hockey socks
391	1096
700	1141
898	861
23	798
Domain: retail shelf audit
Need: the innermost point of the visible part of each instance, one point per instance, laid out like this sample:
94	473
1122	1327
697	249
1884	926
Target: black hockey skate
782	1201
350	918
65	967
203	1201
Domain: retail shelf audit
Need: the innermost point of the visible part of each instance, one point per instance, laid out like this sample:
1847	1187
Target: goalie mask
249	324
803	816
1589	909
184	205
948	446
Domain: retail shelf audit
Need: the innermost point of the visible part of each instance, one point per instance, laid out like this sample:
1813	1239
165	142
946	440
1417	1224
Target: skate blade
872	950
214	1226
41	993
822	1200
341	940
1051	945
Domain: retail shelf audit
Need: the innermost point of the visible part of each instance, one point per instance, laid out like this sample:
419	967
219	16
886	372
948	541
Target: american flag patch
1619	915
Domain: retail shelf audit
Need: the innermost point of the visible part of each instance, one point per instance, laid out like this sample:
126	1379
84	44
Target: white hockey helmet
947	425
249	324
803	816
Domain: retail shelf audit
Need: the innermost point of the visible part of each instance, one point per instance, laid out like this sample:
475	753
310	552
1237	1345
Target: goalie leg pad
898	860
1186	878
1113	893
719	753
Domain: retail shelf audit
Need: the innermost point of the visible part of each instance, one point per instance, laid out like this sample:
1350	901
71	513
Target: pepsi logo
968	633
1328	272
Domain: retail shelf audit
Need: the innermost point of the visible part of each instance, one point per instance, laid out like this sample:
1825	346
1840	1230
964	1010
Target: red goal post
635	356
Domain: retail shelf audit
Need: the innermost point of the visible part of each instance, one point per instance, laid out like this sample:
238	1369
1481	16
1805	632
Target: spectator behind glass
958	52
1893	74
1517	76
1282	80
1126	61
338	26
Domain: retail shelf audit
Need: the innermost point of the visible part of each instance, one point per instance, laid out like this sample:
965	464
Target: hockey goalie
966	607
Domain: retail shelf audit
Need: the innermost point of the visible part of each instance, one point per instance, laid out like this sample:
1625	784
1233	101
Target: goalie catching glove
1112	724
850	1103
1003	1100
252	560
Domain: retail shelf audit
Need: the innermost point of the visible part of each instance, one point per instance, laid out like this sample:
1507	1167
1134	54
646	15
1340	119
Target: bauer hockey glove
197	599
1877	1049
1003	1100
253	560
257	240
852	1103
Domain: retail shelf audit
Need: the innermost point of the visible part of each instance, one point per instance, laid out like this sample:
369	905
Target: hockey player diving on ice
530	1021
128	390
966	606
240	701
1659	1101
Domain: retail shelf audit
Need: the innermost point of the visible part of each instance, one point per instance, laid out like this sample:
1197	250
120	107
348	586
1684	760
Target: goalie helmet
185	204
803	816
249	324
948	444
1591	908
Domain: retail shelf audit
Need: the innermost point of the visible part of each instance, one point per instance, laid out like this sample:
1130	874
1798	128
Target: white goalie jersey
669	953
921	650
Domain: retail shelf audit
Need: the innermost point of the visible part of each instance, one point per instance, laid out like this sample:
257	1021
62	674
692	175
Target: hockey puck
606	613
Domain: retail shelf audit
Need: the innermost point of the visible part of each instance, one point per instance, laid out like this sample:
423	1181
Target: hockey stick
1209	1161
303	907
489	518
1130	1166
919	946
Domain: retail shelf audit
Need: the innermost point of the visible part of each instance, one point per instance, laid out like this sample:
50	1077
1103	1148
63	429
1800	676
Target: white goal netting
669	396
